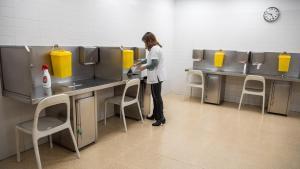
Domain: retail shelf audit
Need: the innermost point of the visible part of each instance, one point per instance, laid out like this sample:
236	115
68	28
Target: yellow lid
285	56
60	52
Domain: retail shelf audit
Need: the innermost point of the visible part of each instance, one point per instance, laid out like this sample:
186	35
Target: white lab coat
157	74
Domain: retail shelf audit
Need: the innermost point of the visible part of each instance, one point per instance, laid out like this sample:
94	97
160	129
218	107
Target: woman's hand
141	68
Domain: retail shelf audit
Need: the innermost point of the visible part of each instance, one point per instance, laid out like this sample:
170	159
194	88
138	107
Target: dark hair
150	40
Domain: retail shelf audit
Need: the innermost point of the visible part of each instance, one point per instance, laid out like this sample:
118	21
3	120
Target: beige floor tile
196	136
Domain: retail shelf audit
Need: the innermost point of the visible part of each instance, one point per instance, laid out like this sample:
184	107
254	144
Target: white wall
231	24
77	22
180	26
86	22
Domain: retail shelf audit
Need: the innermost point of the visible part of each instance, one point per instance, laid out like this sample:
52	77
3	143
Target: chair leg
241	100
186	93
37	153
124	119
50	141
105	111
263	106
202	95
74	142
191	92
140	111
18	145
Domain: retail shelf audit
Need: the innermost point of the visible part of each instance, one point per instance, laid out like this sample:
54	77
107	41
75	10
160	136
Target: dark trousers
157	101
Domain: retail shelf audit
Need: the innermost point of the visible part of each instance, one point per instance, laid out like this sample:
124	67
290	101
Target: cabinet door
279	100
212	89
86	124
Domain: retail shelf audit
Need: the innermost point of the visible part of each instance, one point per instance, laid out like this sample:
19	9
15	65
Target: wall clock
271	14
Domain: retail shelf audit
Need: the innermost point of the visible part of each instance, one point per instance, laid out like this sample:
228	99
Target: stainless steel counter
239	74
71	88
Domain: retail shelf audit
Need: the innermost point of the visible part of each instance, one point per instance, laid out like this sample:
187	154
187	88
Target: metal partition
16	70
233	61
110	64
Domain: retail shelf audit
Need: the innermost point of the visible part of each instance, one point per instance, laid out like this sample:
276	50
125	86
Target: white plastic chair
124	101
191	74
45	126
254	91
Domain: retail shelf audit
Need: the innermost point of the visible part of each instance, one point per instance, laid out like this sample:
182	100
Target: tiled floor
195	137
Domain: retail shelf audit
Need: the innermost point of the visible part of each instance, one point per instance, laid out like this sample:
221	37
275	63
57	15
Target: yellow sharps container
128	59
284	60
219	58
61	63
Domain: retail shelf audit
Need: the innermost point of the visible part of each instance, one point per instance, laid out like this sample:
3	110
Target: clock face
271	14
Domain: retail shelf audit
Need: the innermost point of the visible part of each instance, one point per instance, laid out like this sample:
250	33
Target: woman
155	75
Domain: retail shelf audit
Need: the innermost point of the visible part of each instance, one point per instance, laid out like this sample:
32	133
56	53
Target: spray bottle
46	77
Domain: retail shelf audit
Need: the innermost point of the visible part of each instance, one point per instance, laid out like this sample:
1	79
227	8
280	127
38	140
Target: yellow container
219	58
128	59
284	60
61	63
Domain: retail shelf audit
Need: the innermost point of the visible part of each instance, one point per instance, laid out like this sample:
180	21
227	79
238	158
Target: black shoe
150	118
157	123
163	121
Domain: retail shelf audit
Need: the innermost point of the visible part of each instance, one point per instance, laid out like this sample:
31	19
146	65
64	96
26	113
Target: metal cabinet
279	97
85	121
214	89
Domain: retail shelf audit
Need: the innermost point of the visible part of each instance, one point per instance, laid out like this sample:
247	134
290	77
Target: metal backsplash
40	55
21	66
270	65
232	61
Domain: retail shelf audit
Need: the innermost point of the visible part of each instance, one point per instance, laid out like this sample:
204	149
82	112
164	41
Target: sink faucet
245	66
283	76
258	65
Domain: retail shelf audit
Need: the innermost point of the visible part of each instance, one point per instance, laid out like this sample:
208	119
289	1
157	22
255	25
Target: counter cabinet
83	121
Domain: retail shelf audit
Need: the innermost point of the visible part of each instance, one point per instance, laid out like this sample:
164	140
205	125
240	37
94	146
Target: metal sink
74	85
221	71
68	85
80	84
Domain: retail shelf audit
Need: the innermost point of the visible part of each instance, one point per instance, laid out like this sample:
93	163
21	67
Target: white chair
45	126
254	91
124	101
191	75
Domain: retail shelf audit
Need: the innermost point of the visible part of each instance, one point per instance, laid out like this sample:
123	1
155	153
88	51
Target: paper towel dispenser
198	55
242	57
88	55
257	59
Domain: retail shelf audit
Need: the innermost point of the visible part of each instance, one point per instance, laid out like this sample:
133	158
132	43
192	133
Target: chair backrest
255	78
51	101
193	73
131	83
